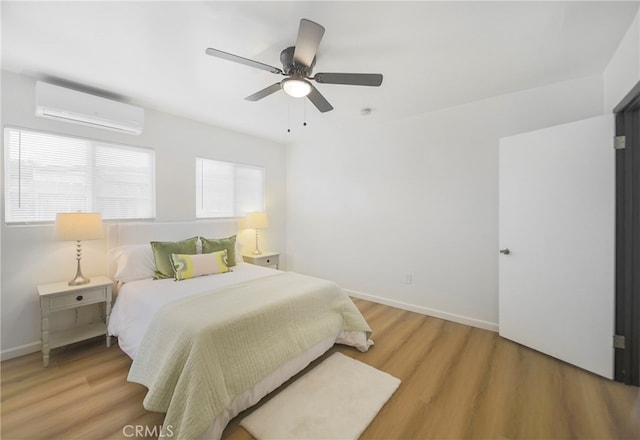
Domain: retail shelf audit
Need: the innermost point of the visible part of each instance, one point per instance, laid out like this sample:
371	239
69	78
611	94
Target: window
225	189
48	173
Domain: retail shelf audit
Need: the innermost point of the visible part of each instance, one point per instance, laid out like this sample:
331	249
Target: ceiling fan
297	64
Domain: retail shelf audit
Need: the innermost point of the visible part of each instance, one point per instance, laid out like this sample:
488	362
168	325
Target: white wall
623	70
31	257
373	203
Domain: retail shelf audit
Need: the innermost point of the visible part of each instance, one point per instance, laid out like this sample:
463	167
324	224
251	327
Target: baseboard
461	319
20	351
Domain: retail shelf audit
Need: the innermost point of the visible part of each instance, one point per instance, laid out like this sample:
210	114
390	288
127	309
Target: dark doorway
627	340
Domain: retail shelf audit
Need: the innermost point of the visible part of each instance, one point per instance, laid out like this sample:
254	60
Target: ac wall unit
68	105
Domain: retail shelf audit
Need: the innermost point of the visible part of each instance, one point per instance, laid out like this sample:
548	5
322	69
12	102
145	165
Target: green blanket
202	351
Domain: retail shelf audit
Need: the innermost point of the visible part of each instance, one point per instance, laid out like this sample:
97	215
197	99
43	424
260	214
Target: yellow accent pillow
187	266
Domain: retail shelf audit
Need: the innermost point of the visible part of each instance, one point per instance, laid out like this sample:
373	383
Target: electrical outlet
408	278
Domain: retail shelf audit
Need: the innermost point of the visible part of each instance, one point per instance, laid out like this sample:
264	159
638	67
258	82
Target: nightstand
264	259
55	297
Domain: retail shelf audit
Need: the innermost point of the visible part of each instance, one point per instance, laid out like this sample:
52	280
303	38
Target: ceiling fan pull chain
304	104
288	117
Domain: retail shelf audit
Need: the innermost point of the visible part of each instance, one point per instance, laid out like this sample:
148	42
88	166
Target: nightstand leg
44	327
107	313
45	341
45	356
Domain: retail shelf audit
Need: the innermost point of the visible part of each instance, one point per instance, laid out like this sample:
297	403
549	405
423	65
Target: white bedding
138	301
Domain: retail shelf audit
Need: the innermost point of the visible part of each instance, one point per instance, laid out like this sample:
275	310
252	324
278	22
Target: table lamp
257	221
78	226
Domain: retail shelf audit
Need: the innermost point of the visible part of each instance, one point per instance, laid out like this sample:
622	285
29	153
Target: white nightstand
264	259
60	296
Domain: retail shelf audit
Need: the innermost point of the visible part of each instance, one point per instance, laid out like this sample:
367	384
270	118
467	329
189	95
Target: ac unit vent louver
68	105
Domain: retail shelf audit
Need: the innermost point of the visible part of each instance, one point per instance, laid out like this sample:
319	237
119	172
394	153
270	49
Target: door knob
505	251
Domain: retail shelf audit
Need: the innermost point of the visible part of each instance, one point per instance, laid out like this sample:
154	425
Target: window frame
203	214
91	166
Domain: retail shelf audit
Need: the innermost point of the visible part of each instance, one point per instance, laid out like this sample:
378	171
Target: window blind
225	189
47	173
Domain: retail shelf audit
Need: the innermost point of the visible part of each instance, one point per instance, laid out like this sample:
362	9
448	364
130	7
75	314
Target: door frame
627	310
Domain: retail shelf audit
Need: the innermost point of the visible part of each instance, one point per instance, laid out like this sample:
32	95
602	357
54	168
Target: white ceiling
432	54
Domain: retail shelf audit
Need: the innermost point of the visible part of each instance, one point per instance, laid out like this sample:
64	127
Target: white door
557	218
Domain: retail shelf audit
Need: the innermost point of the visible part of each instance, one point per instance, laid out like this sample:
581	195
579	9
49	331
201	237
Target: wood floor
458	382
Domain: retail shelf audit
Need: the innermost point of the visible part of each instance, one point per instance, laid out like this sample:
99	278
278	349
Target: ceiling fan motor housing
290	67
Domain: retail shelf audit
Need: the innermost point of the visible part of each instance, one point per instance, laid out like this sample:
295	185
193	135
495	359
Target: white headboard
121	234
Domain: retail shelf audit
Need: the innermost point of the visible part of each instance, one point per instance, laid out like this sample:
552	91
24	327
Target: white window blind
48	173
225	189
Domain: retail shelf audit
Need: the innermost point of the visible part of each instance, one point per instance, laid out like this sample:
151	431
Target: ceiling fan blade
241	60
319	101
352	79
264	92
309	37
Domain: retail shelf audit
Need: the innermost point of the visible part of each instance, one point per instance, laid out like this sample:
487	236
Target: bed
211	346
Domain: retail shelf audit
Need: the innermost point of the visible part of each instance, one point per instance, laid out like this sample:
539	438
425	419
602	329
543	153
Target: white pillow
239	247
133	262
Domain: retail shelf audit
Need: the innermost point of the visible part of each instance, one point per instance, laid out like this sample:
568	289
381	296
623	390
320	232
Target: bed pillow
133	262
217	244
191	266
162	251
239	247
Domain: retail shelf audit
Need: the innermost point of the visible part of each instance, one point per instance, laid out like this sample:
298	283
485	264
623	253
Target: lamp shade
256	220
72	226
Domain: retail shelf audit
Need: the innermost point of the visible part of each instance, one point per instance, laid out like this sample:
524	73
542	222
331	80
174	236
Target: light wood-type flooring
458	382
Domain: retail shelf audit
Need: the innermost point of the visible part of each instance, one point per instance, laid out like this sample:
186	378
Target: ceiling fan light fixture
296	87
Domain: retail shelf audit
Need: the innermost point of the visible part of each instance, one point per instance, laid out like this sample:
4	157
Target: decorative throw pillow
162	251
217	244
191	266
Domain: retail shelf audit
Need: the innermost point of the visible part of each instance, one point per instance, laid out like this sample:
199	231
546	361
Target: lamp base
79	279
257	249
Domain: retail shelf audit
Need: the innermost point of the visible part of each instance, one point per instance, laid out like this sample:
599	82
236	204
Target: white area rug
336	400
